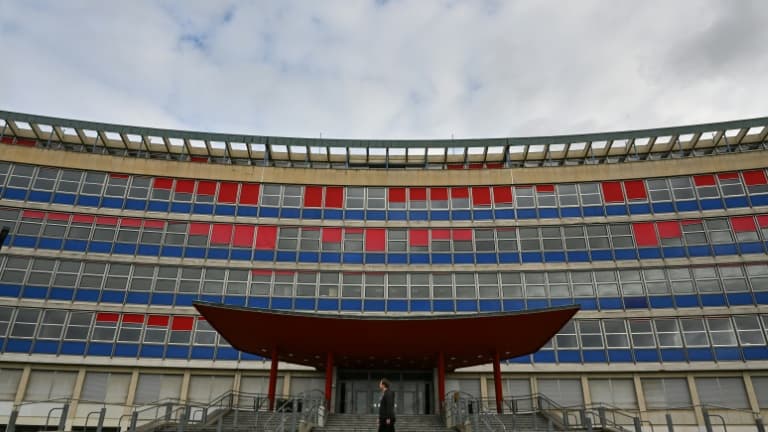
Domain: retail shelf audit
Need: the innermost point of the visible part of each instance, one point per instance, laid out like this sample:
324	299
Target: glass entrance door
358	391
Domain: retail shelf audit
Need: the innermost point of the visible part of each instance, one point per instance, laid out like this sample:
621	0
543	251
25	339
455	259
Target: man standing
386	407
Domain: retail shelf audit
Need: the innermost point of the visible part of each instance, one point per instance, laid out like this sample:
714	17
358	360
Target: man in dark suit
386	407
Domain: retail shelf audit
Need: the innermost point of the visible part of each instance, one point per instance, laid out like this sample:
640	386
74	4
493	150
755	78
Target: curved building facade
661	237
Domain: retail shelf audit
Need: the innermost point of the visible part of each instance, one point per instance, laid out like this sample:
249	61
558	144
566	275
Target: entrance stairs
369	423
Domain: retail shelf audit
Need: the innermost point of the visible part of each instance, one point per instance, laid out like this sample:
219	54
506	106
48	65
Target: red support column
328	380
497	381
441	379
272	380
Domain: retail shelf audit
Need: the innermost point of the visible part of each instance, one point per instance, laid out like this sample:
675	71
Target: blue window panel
759	200
568	356
637	209
577	256
674	252
202	353
290	213
397	215
664	207
226	353
176	351
211	298
349	258
610	303
554	256
419	258
520	360
247	356
615	210
100	349
761	297
29	242
737	299
35	292
376	215
443	306
750	248
171	251
112	296
330	257
312	214
685	301
442	215
152	351
354	214
601	255
305	303
509	257
46	243
466	305
727	249
87	295
418	215
7	290
243	255
202	209
284	303
333	214
158	206
687	206
185	299
162	299
88	201
537	304
126	350
672	355
619	356
736	202
99	247
591	211
420	306
327	304
755	353
700	354
40	196
15	194
526	213
649	253
711	204
263	255
397	305
482	215
134	204
375	258
514	305
125	249
486	258
556	302
646	355
464	258
548	213
374	305
594	356
503	214
247	211
635	302
64	198
532	257
234	300
73	348
461	215
441	258
544	357
699	251
567	212
269	212
712	300
194	252
111	202
259	302
587	303
18	345
149	250
351	304
309	257
62	294
221	253
488	305
727	354
137	298
224	210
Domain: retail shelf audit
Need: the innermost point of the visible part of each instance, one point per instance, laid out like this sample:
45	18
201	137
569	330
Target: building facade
659	235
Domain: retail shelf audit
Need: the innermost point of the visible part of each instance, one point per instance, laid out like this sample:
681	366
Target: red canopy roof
375	341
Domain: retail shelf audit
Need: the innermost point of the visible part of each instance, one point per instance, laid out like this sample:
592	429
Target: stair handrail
615	411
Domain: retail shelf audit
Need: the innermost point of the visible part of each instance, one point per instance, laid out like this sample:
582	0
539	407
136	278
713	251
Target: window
621	235
167	278
5	319
237	282
733	278
680	279
655	281
352	285
106	327
535	285
488	285
617	392
117	278
207	388
607	283
706	279
78	326
213	283
106	387
693	233
155	387
93	183
631	283
682	188
26	323
719	231
310	239
419	285
551	239
616	333
666	393
721	331
574	238
507	239
21	177
47	385
46	179
558	284
117	185
69	181
130	328
9	380
353	240
270	195
747	328
722	391
590	194
377	199
52	325
658	190
524	197
355	198
694	333
397	240
397	285
568	195
564	392
758	276
374	285
93	275
590	334
583	286
760	384
283	286
642	333
329	284
511	285
139	188
668	332
143	275
42	272
598	237
529	239
566	337
15	270
292	196
288	239
204	333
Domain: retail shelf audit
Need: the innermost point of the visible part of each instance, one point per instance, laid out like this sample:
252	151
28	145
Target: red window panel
418	237
728	176
206	188
244	236
228	193
182	323
762	220
107	317
438	194
130	222
645	234
612	192
396	195
260	272
670	229
185	186
704	180
494	165
455	166
119	176
313	196
198	159
221	234
481	195
476	166
151	223
162	183
106	220
375	239
459	192
58	216
757	177
33	214
334	197
133	319
353	230
249	193
502	194
462	234
266	236
331	235
441	234
200	229
743	224
545	188
83	218
201	318
635	190
417	194
158	320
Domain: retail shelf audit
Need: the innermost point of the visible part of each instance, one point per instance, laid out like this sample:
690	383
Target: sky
387	69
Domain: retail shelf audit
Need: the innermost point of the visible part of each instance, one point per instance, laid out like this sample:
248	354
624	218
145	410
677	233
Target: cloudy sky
387	69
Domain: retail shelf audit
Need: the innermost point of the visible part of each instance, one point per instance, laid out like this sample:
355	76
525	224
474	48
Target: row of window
99	189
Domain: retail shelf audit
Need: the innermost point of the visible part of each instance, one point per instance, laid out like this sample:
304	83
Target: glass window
733	278
329	284
607	283
15	270
616	333
352	285
397	285
565	392
5	319
287	239
747	328
558	284
69	181
568	195
420	285
511	285
680	279
598	237
668	332
524	197
706	279
117	278
355	197
237	282
552	239
566	337
488	285
694	333
666	393
93	183
374	285
397	240
616	392
658	190
293	196
535	285
78	326
104	330
722	392
590	194
507	239
353	240
484	240
731	187
167	277
283	286
529	239
143	275
442	285
377	198
721	331
204	333
310	239
106	387
52	325
130	329
682	188
66	274
655	281
117	185
642	333
93	275
590	335
46	179
574	237
26	323
270	195
213	282
21	176
758	276
631	283
139	188
583	286
719	231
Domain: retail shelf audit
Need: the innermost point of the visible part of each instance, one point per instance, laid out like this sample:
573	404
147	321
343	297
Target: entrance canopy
392	342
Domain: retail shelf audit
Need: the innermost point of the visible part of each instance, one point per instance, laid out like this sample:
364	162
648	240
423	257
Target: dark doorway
358	391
